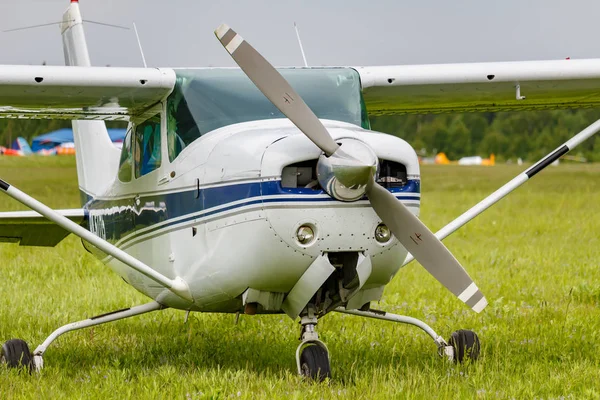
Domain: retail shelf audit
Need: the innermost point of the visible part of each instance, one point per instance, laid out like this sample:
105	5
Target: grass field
535	256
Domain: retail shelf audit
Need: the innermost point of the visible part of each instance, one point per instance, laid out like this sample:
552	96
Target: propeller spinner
347	172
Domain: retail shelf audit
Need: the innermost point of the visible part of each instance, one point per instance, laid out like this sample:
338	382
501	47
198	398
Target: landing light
382	233
305	235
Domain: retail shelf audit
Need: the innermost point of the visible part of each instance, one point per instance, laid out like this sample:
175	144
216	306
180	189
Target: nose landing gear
312	356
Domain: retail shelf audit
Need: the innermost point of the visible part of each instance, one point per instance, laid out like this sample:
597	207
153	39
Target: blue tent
53	139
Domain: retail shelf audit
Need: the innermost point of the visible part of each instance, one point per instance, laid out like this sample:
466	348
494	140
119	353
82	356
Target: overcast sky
334	32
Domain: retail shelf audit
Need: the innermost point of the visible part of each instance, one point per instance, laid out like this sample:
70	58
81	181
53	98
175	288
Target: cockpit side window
147	146
126	162
179	122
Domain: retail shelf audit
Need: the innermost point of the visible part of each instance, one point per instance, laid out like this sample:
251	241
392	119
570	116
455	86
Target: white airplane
231	194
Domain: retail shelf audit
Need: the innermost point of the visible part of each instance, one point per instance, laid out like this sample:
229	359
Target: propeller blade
407	228
425	247
275	88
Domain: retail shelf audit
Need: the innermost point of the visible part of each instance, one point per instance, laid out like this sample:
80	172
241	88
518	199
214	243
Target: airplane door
122	209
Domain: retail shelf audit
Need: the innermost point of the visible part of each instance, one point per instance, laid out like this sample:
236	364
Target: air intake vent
392	174
300	175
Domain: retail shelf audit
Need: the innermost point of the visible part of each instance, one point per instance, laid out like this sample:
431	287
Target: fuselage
220	216
214	187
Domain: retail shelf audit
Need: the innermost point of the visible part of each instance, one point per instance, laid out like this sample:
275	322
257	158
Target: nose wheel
314	363
312	356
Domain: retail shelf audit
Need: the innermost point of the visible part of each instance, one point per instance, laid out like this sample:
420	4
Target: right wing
481	87
28	228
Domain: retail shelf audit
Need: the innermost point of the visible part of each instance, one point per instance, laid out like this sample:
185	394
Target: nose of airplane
305	213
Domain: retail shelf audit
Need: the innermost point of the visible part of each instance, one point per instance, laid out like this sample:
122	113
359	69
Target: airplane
478	160
260	190
442	159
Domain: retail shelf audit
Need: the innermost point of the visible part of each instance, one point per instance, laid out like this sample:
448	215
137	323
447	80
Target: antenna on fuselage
140	45
300	43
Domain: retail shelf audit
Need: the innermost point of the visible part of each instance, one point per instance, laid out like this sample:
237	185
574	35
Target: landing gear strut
15	353
463	345
312	356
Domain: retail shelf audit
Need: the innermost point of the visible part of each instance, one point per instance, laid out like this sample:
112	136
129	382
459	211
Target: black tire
466	345
15	354
314	363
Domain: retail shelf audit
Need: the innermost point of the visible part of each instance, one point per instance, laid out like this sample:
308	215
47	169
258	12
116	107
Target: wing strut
514	183
177	285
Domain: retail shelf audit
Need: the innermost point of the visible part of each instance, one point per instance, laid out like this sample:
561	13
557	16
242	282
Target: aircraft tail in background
21	144
489	161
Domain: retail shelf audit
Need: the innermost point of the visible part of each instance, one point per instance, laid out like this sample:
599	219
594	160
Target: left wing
28	91
481	87
28	228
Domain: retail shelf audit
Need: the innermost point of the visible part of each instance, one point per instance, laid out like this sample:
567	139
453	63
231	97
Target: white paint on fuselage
253	245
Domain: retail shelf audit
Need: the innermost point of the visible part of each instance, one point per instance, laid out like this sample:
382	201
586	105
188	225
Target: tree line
528	135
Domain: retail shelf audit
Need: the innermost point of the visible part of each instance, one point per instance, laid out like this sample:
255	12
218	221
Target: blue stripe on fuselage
122	217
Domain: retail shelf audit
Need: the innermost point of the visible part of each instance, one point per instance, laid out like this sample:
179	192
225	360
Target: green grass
535	256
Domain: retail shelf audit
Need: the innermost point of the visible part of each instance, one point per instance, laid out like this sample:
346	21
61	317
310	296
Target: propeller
347	172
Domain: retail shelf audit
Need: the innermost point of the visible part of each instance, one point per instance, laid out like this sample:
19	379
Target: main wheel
15	354
314	363
465	344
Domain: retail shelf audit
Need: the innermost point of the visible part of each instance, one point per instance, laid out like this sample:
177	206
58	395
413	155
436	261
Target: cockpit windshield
206	99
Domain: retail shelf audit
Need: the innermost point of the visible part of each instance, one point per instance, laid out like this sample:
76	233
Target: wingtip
222	30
